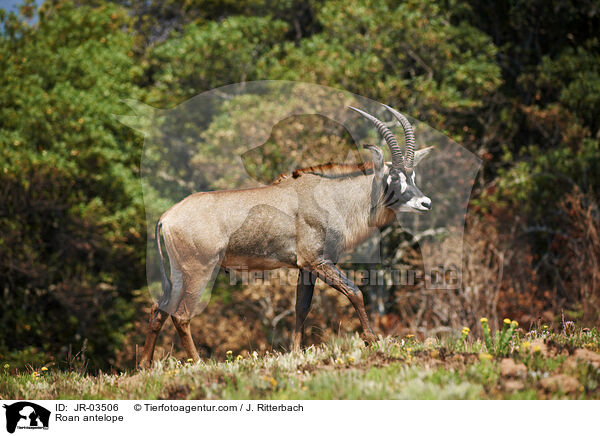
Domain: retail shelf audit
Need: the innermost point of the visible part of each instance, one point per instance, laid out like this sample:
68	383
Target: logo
26	415
245	135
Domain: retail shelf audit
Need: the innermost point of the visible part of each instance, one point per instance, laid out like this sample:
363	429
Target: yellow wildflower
6	366
350	359
239	357
483	320
515	323
545	327
229	352
272	381
506	321
410	336
44	368
190	360
526	345
537	349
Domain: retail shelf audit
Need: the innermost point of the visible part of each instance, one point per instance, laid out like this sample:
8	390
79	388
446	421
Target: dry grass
538	364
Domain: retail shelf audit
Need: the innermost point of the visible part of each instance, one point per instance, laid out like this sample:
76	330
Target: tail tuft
166	282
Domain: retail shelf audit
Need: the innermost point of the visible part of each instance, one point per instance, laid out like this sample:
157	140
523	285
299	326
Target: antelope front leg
335	278
304	293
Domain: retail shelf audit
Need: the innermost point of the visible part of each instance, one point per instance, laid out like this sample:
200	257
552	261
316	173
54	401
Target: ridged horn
390	139
409	138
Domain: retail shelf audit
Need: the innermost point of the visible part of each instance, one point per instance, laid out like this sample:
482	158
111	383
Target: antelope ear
376	187
420	154
377	156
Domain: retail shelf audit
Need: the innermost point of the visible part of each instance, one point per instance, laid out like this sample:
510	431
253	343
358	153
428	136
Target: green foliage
498	346
154	20
213	54
548	143
408	53
486	334
506	336
516	82
71	208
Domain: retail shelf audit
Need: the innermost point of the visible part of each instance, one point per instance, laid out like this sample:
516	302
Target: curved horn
409	138
390	139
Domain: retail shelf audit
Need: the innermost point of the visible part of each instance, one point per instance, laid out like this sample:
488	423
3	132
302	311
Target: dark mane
330	170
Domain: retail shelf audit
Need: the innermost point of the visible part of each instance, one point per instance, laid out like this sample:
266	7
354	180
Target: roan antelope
304	221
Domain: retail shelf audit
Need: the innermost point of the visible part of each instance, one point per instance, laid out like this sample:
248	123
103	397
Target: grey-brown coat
304	221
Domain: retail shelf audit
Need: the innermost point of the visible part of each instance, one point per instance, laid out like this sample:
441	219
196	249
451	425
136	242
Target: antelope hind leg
183	329
194	282
157	319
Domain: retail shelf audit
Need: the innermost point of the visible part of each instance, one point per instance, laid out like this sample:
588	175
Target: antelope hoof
368	338
144	364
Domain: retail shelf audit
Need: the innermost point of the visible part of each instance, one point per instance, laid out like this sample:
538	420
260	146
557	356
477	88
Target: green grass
344	368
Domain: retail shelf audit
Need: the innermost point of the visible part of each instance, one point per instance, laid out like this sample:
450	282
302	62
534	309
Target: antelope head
400	191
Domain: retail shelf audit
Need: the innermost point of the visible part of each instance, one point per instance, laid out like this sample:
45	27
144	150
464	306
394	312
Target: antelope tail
166	282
